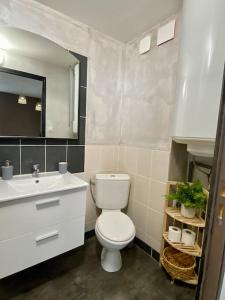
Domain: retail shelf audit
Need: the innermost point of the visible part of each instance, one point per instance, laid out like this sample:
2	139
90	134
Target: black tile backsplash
47	152
31	155
30	141
56	142
9	141
11	153
54	154
75	158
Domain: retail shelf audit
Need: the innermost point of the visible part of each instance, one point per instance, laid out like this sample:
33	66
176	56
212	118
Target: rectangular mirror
39	87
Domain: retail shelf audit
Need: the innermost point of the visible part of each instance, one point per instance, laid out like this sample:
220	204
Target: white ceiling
121	19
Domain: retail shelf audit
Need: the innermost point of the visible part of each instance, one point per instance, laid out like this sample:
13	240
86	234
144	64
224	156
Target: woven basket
179	265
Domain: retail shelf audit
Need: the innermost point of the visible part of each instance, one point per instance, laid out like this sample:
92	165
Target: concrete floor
78	275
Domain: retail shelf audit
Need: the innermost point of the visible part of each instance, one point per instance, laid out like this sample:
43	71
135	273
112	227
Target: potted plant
191	197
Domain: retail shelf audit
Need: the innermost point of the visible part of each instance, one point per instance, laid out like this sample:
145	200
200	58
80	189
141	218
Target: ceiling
121	19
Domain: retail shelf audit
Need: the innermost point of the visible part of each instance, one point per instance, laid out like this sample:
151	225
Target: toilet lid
115	226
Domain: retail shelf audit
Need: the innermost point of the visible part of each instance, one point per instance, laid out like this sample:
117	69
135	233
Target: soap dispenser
7	171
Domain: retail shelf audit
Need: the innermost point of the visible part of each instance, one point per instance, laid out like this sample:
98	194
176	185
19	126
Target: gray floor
78	275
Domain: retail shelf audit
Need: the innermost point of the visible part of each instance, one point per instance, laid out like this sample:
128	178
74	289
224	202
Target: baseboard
89	234
153	253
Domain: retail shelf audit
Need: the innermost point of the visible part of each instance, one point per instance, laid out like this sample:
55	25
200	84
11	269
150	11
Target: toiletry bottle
7	171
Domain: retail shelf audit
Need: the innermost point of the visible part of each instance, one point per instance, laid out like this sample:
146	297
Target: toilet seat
115	226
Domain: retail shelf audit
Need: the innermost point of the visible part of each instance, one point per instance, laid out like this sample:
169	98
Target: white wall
149	92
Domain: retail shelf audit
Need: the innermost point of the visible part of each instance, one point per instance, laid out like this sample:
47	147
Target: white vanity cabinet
36	228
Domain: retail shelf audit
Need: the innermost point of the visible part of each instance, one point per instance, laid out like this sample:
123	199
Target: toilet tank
112	191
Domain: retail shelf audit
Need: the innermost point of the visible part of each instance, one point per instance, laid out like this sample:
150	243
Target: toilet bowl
114	230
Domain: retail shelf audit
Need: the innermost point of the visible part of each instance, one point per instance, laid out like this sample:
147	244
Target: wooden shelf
192	281
191	250
175	214
172	216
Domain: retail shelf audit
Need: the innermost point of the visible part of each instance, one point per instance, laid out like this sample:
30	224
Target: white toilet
113	228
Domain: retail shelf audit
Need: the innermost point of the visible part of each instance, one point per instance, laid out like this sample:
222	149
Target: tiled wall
23	153
149	172
98	159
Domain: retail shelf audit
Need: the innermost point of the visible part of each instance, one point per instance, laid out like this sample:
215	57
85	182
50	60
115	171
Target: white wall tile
92	158
90	225
140	216
123	159
107	161
141	189
116	156
142	235
144	161
156	199
131	153
160	165
154	224
155	244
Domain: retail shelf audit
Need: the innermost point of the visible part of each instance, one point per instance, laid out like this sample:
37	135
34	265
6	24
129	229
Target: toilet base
111	260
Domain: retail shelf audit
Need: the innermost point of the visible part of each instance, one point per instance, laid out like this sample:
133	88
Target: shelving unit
173	217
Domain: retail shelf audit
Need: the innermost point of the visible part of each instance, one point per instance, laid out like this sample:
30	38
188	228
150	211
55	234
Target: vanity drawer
23	216
16	255
20	253
56	239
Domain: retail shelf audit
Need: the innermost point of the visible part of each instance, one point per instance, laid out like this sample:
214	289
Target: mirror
39	87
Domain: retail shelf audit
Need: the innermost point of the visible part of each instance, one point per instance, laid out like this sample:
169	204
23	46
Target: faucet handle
36	167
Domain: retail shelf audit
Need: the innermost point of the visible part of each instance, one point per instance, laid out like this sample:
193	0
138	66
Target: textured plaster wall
149	92
104	64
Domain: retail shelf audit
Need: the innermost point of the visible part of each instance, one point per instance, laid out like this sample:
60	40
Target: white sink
23	186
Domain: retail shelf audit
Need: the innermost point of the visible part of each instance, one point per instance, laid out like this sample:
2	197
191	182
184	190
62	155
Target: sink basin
25	185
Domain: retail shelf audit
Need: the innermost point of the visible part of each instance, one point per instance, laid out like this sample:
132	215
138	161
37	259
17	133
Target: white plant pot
174	203
187	212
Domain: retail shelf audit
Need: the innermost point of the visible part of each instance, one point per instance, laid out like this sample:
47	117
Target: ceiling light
38	106
22	100
4	43
2	57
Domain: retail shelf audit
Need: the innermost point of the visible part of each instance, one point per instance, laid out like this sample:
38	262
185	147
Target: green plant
189	194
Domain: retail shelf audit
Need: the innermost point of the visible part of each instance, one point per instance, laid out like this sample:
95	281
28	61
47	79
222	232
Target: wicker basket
179	265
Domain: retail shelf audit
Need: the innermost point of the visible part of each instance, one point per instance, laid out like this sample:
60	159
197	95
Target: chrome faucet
36	170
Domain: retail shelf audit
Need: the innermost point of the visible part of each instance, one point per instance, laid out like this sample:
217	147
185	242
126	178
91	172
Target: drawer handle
47	236
48	201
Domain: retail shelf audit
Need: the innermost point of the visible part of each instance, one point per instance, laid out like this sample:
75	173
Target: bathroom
92	151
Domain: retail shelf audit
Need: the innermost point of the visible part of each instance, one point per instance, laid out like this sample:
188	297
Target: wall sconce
38	106
22	100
